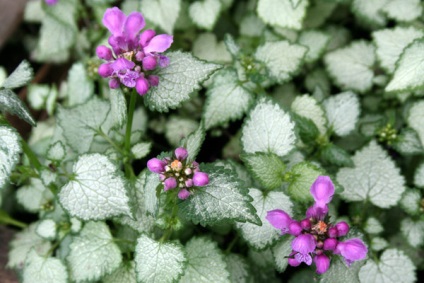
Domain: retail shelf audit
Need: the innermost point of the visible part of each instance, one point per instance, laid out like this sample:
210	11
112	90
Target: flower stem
127	145
5	218
31	156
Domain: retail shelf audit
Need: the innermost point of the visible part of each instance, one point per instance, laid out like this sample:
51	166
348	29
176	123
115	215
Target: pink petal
114	20
159	43
322	263
279	219
352	249
304	244
134	23
322	190
306	258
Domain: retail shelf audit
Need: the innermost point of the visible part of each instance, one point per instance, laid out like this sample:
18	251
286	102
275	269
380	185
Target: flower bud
104	52
305	224
189	183
142	86
188	171
322	263
163	61
295	229
200	179
342	228
330	244
156	165
170	183
105	70
293	261
332	232
149	63
114	83
139	56
183	194
153	80
181	153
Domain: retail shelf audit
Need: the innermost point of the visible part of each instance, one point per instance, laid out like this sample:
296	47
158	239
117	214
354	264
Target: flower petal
114	20
159	43
306	258
322	190
134	24
352	249
279	219
322	262
304	243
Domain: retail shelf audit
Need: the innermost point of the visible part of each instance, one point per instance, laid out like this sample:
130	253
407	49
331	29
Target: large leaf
44	269
10	148
374	177
223	199
80	87
282	13
413	231
94	246
21	76
157	261
163	13
260	237
403	10
268	129
123	274
340	272
194	142
205	13
10	102
97	191
177	81
205	263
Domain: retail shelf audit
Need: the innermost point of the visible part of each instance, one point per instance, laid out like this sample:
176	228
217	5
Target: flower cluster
134	55
177	172
316	239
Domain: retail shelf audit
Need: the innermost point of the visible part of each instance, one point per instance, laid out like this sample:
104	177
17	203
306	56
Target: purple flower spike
114	20
279	219
104	52
294	228
159	43
330	244
170	183
342	228
181	153
141	86
322	190
200	179
156	165
322	263
183	194
304	244
352	250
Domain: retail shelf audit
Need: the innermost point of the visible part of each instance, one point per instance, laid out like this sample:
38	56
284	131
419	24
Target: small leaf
118	106
268	129
370	11
163	13
46	229
34	195
260	237
419	176
205	263
391	43
206	47
238	268
413	231
223	199
281	251
93	246
44	269
205	13
227	99
21	76
268	169
10	102
125	273
141	149
408	142
373	226
409	69
340	272
394	266
177	81
342	112
403	10
22	243
177	129
306	129
303	175
336	155
157	261
80	87
374	177
307	106
194	142
56	152
351	66
10	148
97	191
416	119
251	26
316	41
281	65
410	202
231	45
37	95
282	13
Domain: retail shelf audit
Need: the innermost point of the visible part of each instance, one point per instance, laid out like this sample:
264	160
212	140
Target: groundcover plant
216	141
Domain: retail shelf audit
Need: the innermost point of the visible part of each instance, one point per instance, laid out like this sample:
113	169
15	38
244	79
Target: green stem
131	108
231	244
31	156
170	229
5	218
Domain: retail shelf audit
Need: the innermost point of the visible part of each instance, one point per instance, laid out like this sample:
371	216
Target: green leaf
93	246
231	45
118	106
403	10
123	274
307	106
163	13
282	13
10	148
409	69
391	43
306	128
352	66
419	176
205	13
44	269
413	231
22	243
281	251
394	266
336	155
227	99
205	263
268	169
157	261
80	87
252	26
10	102
97	191
47	229
141	149
21	76
315	41
268	129
340	272
56	151
378	244
37	95
207	47
370	11
81	124
223	199
374	177
281	65
238	268
342	112
373	226
34	195
177	81
302	176
410	202
194	142
177	129
416	119
408	142
260	237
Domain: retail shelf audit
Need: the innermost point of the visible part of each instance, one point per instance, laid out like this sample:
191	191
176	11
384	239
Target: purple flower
316	239
177	172
134	55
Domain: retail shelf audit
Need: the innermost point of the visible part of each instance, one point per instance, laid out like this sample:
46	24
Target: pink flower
322	190
279	219
352	250
322	262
